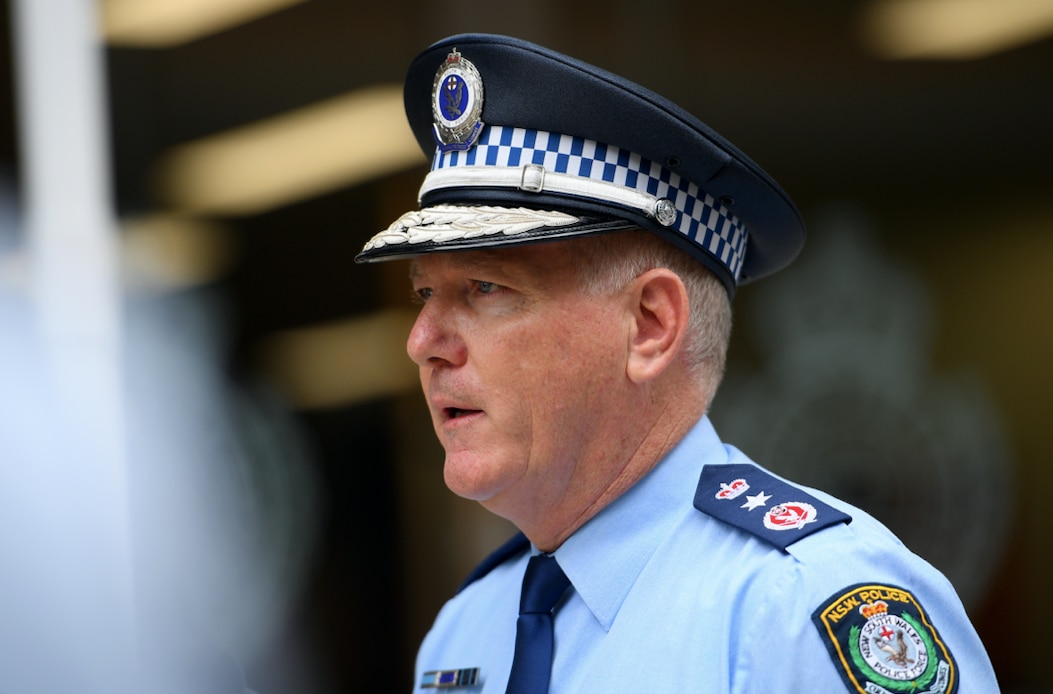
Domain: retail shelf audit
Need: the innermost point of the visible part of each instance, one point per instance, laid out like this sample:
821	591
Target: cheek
425	381
575	371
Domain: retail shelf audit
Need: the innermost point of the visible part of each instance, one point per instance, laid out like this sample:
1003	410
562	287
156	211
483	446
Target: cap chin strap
533	178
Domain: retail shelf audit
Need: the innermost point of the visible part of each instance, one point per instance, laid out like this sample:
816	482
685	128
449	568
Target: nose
434	340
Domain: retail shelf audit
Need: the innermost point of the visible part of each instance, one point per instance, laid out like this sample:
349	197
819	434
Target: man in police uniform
577	246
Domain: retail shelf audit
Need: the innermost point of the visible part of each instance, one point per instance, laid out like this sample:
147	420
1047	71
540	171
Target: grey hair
611	261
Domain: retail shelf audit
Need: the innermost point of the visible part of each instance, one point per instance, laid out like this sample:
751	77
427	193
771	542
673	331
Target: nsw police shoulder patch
883	643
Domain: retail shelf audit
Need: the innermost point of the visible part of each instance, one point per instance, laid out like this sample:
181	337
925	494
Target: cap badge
457	103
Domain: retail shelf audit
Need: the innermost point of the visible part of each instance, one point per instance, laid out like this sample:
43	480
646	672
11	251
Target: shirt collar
605	556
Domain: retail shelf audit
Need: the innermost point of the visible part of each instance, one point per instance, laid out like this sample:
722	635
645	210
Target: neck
607	475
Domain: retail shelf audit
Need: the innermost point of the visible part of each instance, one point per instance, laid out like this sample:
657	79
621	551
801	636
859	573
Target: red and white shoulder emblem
790	515
730	490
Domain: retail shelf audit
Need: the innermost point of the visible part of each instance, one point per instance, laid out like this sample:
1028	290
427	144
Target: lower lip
463	418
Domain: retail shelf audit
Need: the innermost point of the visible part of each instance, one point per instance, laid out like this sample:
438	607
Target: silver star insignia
755	500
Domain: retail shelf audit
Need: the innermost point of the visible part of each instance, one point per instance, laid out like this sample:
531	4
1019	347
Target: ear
660	312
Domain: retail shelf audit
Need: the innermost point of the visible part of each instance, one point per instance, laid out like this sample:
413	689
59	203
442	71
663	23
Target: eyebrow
484	259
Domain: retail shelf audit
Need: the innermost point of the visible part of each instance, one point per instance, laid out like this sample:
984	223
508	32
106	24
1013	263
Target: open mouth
456	412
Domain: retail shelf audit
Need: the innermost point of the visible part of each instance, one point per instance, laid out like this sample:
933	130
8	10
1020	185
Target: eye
421	295
486	287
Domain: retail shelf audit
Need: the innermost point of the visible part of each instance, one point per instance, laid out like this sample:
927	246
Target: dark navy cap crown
530	145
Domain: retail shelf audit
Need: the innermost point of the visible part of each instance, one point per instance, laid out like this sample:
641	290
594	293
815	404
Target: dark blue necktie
543	584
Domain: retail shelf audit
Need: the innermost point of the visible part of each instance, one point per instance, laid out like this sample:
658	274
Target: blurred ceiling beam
342	363
953	29
300	154
167	23
158	252
163	252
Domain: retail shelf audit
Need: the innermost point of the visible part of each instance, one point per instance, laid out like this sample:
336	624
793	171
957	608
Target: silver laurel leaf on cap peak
444	223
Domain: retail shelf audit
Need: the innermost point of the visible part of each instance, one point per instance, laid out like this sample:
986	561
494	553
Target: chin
473	479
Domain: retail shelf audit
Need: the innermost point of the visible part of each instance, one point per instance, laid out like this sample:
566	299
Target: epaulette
514	546
756	501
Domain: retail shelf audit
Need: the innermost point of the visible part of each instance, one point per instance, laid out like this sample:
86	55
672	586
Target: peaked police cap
531	145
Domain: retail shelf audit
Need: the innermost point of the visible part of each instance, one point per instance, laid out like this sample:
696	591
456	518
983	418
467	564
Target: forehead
541	262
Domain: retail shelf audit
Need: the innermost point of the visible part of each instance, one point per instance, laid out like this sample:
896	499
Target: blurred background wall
902	363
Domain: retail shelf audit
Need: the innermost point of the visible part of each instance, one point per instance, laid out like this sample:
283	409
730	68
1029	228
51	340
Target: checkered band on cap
539	161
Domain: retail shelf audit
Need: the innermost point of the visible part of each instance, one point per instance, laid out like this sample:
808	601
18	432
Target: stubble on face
519	396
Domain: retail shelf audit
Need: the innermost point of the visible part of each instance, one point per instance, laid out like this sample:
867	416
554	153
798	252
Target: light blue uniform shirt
666	598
